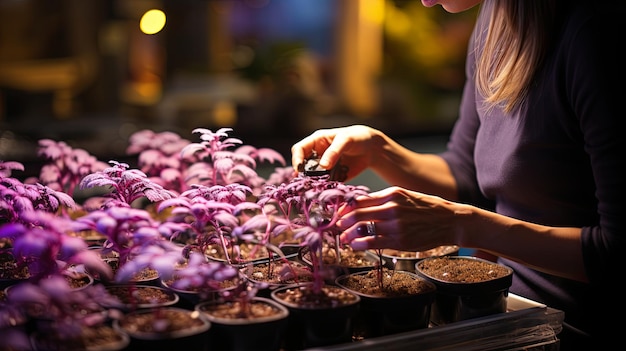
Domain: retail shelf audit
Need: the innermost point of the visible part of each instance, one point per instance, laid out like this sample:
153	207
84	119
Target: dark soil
305	297
112	259
9	268
101	337
233	310
394	283
140	295
226	284
279	272
78	281
461	270
161	320
348	257
146	274
248	253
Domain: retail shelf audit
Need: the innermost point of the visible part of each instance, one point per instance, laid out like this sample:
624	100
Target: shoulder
585	23
590	38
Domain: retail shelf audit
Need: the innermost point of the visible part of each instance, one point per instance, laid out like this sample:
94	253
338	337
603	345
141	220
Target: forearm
427	173
527	243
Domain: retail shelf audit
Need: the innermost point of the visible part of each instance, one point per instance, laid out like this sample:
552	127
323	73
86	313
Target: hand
403	220
351	147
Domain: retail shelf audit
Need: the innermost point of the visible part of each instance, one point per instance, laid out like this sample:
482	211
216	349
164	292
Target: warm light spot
224	113
374	11
152	21
397	23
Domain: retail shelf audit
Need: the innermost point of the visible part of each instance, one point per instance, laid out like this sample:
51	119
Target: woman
534	168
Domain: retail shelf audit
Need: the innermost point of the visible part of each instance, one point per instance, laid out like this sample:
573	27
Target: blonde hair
516	41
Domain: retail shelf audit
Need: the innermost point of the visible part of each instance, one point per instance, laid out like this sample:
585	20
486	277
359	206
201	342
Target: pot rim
283	313
275	297
368	254
273	285
175	297
429	295
467	288
449	250
206	325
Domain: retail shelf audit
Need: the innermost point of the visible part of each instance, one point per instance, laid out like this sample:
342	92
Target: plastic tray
526	324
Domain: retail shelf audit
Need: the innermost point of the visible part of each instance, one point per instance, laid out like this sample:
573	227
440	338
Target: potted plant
348	261
392	301
159	157
277	273
209	193
210	214
219	159
165	328
140	243
467	287
123	186
321	314
205	213
56	316
56	291
64	166
138	296
40	242
237	310
258	324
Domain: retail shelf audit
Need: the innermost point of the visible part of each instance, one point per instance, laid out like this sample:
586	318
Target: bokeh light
152	21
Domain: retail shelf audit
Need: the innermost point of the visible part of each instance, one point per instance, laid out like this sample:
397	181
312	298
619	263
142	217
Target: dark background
273	70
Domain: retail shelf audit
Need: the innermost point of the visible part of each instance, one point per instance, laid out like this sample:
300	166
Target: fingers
317	142
377	220
367	235
368	221
297	153
330	144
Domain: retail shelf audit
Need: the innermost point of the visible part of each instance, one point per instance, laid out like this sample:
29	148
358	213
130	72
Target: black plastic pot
246	333
386	314
456	301
300	273
316	323
194	336
367	261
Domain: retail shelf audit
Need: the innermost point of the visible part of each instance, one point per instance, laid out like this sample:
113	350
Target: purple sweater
561	161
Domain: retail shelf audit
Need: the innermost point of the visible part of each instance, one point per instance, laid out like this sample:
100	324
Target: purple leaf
270	155
191	149
93	262
12	230
70	246
28	293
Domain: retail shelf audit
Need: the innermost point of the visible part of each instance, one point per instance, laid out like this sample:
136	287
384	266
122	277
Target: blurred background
92	72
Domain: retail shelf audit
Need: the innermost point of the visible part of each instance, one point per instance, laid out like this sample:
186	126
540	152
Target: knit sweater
560	160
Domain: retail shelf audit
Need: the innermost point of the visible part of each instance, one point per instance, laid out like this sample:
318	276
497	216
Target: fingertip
295	163
359	245
325	163
296	158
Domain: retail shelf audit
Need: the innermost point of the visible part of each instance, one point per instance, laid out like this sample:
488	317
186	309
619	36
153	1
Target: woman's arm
360	147
413	221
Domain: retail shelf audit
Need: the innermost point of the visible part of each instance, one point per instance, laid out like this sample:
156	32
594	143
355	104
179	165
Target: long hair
517	39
